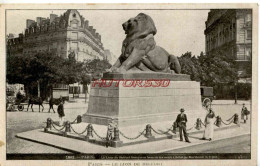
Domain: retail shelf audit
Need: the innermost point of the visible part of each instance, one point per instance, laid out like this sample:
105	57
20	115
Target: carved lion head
140	26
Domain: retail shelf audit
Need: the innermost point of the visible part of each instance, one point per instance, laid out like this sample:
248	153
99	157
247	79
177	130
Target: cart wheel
206	103
20	107
12	107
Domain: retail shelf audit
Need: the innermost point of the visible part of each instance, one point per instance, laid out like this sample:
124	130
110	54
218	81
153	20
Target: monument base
130	102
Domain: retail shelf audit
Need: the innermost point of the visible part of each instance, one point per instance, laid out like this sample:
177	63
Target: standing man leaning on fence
181	123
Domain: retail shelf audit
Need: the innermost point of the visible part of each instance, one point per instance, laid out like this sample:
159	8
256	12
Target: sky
178	31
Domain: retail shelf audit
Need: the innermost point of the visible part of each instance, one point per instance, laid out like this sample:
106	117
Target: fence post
115	142
89	132
116	134
218	123
148	133
79	119
236	119
48	125
198	124
67	128
174	127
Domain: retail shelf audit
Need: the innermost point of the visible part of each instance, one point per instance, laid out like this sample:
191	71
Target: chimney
10	36
94	32
86	24
96	35
29	23
82	21
90	28
39	20
52	17
26	32
20	35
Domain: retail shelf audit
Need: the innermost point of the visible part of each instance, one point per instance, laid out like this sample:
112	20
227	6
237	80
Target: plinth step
126	137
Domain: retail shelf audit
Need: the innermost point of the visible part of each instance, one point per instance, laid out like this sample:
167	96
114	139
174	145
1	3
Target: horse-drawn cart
15	103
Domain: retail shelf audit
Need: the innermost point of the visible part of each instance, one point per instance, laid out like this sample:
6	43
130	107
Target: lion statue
139	50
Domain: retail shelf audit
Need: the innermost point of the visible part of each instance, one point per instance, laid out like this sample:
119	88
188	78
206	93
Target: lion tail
174	64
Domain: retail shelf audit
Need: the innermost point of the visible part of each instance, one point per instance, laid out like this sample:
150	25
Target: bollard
48	126
236	118
148	131
174	127
115	142
89	132
198	124
79	120
218	121
67	128
116	134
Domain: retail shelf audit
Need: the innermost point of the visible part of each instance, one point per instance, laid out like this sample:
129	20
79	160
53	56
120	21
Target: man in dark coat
61	112
181	123
244	113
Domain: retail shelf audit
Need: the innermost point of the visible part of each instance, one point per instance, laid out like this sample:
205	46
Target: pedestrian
181	123
60	111
244	113
209	125
110	130
51	103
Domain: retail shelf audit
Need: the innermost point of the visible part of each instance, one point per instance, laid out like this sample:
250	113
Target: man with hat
244	113
181	123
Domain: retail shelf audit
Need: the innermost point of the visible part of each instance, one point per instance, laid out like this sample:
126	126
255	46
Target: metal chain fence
103	138
162	133
57	128
132	137
80	132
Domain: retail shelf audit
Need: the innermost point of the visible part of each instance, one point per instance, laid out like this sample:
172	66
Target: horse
53	101
37	101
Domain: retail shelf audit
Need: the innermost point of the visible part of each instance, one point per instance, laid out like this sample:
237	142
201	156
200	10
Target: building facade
230	31
61	35
108	55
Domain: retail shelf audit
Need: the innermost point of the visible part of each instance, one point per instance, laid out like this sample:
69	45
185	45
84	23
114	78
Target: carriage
207	96
16	103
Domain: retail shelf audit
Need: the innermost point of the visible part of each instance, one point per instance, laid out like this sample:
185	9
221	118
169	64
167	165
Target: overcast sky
178	31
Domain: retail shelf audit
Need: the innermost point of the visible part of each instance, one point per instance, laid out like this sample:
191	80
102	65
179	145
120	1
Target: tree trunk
26	90
39	91
235	93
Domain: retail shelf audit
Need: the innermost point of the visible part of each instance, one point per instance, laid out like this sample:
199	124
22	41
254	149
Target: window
248	18
248	53
240	57
74	46
54	45
74	24
74	35
249	34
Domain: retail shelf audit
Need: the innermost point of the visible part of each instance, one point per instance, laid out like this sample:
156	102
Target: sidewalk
160	146
80	102
230	102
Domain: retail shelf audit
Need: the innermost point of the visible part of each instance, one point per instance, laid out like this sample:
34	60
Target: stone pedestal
135	105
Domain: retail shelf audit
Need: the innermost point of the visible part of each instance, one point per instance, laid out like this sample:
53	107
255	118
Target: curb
200	143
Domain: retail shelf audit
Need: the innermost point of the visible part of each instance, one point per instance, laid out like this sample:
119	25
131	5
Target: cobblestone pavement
18	122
